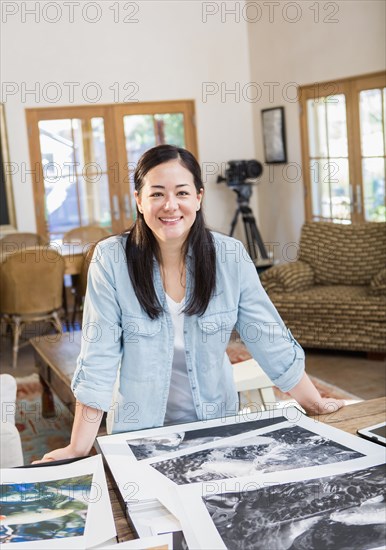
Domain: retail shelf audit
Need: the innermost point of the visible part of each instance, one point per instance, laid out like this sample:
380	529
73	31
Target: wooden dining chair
86	235
12	242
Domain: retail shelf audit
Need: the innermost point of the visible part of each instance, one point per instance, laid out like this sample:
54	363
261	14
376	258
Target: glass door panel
329	168
373	152
73	156
139	135
170	128
340	190
143	131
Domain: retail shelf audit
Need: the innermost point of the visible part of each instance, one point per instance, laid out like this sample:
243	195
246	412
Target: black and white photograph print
282	449
151	447
40	511
341	512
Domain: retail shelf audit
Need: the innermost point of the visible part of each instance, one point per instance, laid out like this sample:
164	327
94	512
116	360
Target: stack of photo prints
279	480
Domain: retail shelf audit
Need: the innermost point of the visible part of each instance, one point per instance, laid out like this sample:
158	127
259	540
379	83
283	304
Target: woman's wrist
79	450
306	393
310	399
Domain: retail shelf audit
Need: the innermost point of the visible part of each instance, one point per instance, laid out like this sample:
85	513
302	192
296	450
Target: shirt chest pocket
139	329
142	357
217	327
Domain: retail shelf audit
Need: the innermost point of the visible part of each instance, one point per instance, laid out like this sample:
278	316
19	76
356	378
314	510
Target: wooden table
56	360
73	255
55	356
360	415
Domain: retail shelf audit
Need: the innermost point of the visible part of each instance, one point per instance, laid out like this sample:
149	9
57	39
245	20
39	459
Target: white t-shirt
180	406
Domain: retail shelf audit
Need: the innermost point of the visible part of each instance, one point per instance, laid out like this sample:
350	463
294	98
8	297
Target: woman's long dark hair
142	246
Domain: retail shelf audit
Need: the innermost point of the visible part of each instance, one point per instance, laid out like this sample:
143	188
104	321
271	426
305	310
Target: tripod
251	231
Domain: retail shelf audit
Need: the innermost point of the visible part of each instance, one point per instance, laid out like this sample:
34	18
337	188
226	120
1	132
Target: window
344	149
84	159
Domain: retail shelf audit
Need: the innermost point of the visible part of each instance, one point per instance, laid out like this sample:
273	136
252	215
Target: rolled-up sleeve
101	349
264	333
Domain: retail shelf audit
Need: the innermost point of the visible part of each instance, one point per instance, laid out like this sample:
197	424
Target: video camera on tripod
240	176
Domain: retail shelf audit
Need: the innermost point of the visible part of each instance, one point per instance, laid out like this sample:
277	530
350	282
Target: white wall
304	52
170	52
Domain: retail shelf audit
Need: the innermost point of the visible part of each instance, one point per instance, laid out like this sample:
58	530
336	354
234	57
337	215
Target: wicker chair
334	295
87	234
12	242
31	286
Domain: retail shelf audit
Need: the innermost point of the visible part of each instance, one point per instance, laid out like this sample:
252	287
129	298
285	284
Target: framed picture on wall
274	135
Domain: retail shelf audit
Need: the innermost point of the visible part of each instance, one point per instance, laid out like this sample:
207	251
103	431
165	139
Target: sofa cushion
335	303
287	277
344	254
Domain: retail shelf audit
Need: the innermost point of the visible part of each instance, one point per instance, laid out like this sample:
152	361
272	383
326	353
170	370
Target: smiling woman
169	201
162	300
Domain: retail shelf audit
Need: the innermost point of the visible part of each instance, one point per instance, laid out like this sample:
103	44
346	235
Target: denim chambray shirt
125	362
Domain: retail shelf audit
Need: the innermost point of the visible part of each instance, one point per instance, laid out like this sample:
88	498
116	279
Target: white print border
151	517
100	526
144	543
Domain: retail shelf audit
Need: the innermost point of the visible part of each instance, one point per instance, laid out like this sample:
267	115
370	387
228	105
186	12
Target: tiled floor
353	372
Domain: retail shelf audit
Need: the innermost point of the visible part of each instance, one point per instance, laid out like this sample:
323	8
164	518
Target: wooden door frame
312	91
367	82
33	116
116	156
350	87
185	106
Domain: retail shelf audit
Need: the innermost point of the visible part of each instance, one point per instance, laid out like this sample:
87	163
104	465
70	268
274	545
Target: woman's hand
84	432
324	405
306	394
58	454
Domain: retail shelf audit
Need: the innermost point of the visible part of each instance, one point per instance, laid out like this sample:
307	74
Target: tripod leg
253	235
234	222
258	239
249	236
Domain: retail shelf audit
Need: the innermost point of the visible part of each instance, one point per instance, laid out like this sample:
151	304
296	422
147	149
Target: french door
344	149
83	159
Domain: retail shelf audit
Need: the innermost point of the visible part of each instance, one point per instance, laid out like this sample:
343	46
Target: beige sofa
334	295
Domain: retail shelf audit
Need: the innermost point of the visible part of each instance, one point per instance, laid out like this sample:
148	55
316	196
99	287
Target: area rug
39	435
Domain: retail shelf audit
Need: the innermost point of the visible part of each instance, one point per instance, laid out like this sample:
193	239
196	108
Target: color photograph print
44	510
339	512
285	448
57	506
